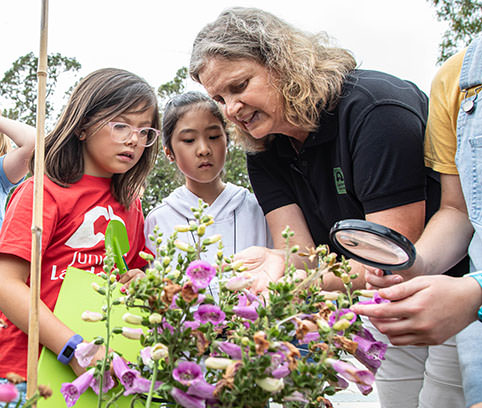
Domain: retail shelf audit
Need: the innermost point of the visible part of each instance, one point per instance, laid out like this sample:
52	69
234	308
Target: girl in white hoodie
194	136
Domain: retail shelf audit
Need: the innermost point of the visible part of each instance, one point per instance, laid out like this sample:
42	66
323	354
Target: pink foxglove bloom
246	312
296	397
193	325
85	352
8	392
201	273
72	391
209	313
231	349
375	300
187	372
362	378
369	352
187	401
145	354
107	383
218	363
201	389
131	379
309	337
133	334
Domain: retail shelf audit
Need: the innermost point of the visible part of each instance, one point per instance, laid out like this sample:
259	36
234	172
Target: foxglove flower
72	391
8	392
375	300
369	352
187	401
131	379
187	372
132	318
107	383
201	273
309	337
341	319
231	349
209	313
193	325
145	354
362	378
246	312
201	389
85	352
159	351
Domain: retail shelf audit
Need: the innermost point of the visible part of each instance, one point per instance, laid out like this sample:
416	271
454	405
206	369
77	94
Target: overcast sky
153	38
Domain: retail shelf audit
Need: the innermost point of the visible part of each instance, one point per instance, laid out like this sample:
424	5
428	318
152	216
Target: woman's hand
264	264
425	310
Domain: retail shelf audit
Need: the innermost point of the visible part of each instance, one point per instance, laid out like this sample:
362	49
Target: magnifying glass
373	244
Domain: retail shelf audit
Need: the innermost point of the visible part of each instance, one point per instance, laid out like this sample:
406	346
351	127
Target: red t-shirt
74	222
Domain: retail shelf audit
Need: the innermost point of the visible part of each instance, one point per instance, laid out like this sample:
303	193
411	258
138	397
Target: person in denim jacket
429	309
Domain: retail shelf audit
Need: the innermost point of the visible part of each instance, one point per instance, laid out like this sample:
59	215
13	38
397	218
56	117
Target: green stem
107	341
114	398
154	373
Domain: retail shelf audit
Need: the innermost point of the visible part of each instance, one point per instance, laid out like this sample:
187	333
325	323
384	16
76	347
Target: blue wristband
67	352
478	277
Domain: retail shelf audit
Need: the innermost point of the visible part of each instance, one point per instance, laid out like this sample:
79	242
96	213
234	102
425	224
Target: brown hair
308	73
97	99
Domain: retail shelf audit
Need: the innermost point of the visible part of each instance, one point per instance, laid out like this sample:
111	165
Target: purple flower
107	383
279	366
209	313
310	336
85	352
375	300
246	312
362	378
187	401
201	389
187	372
131	379
296	397
232	350
239	282
8	392
188	324
201	273
72	391
145	354
369	352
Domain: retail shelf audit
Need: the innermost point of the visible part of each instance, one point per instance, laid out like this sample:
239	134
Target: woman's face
246	92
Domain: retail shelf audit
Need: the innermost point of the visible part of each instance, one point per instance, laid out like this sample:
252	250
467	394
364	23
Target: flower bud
133	334
183	246
97	288
341	325
112	278
270	384
89	316
159	352
155	318
212	239
166	260
218	363
345	278
181	228
201	230
132	318
323	325
146	256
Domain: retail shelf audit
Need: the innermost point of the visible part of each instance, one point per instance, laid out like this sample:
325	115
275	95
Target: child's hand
79	370
130	276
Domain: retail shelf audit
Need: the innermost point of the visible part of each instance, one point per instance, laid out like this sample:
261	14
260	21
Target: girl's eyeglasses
122	132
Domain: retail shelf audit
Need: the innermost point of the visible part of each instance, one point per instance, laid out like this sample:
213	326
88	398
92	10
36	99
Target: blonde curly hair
309	74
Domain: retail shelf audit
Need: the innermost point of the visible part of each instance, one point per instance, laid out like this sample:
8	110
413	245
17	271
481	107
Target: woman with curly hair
326	141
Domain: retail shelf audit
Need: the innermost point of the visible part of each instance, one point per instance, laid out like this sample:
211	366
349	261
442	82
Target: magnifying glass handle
387	272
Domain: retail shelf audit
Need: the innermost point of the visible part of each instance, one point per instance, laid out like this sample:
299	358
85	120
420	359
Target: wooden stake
37	224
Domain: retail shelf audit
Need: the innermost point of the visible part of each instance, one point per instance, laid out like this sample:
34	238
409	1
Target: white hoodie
237	217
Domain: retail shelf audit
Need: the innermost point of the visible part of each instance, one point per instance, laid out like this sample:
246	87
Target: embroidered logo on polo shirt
339	180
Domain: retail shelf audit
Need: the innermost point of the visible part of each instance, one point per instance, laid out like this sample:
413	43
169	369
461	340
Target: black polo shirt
365	156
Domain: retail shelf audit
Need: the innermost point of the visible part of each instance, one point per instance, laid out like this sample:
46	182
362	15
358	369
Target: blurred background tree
18	87
464	18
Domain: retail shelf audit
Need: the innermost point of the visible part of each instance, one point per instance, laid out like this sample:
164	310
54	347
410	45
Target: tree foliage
464	18
165	177
18	87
